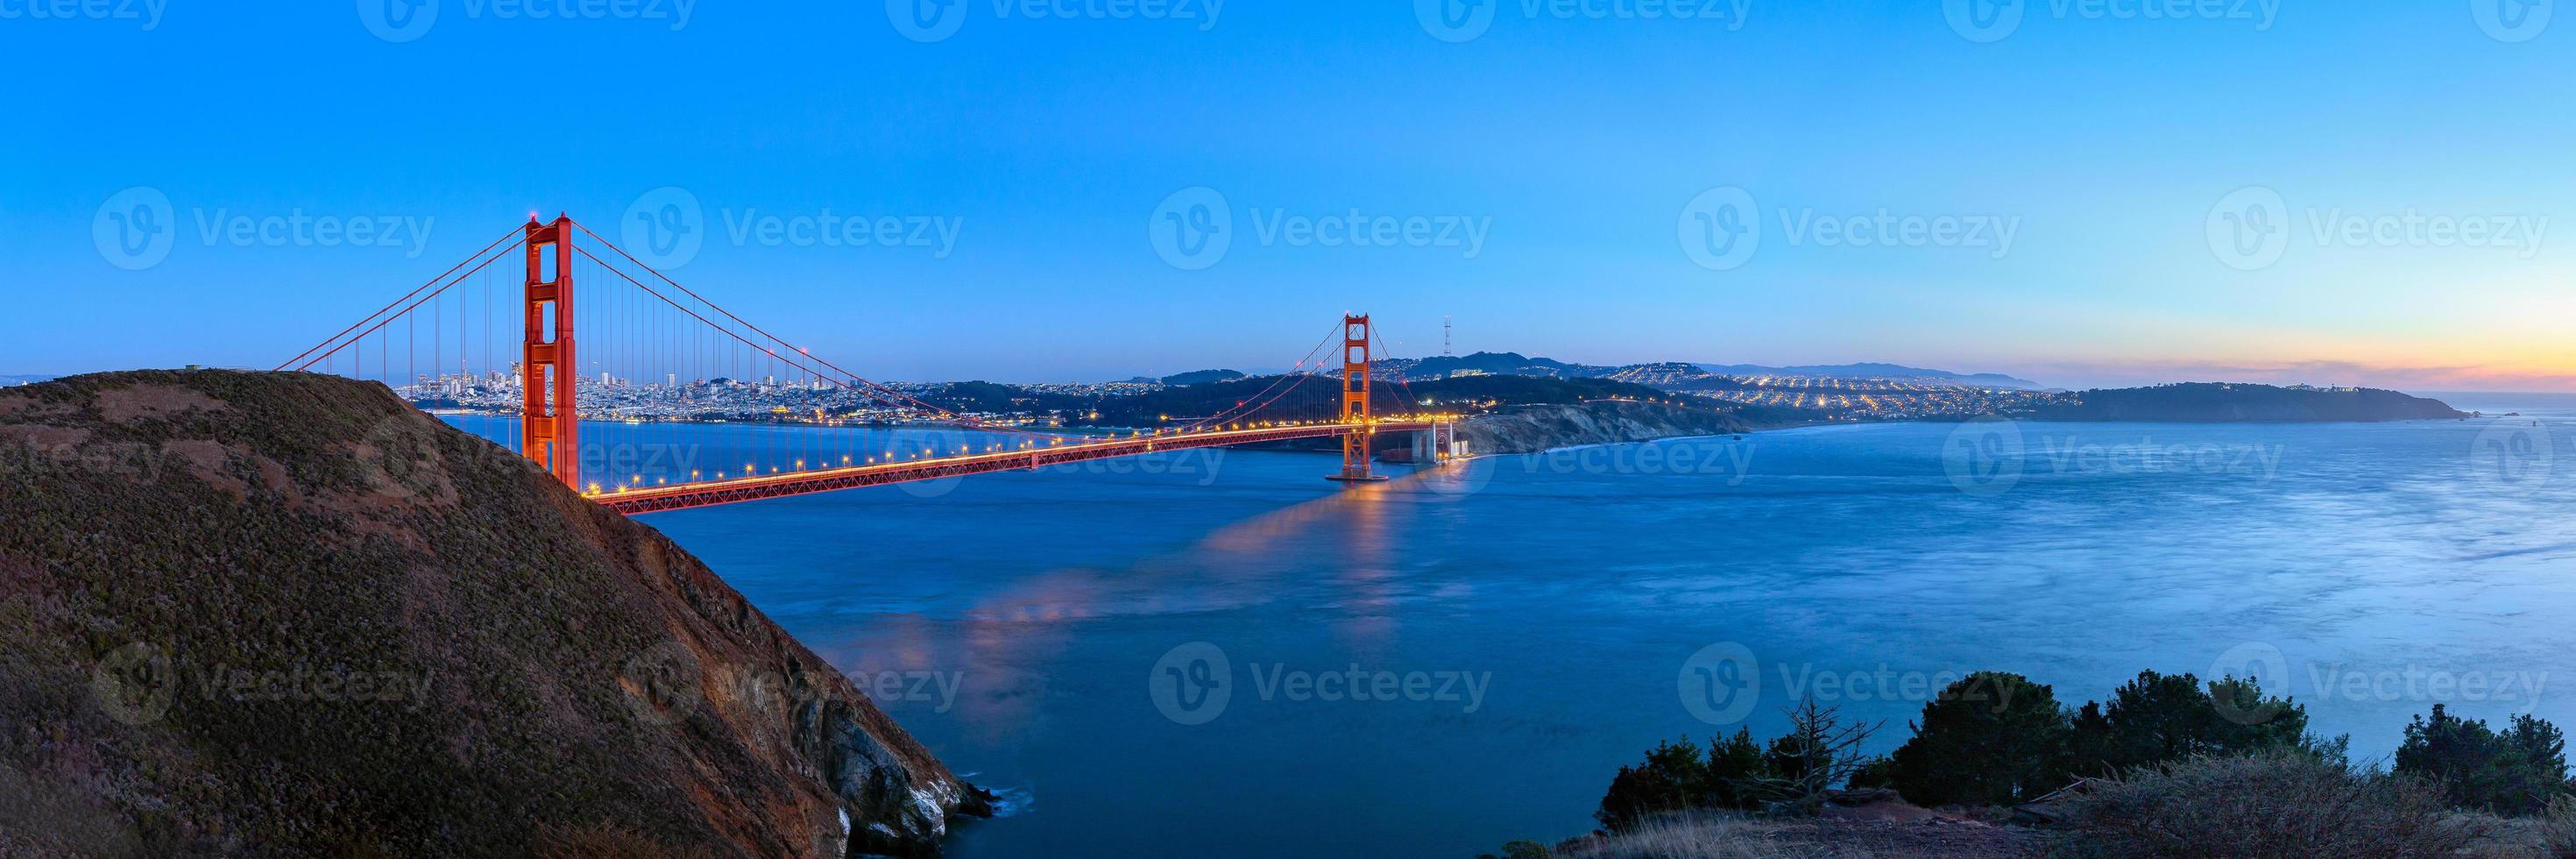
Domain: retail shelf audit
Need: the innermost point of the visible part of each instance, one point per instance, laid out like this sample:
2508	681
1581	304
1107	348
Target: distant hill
7	380
1486	363
286	614
2215	402
1517	364
1200	377
1896	372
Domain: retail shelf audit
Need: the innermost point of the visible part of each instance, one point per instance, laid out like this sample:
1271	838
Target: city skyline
1054	196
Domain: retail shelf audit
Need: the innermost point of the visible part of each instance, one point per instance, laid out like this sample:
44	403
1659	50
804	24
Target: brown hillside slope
285	613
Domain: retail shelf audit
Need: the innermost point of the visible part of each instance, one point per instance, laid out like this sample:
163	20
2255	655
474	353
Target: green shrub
2158	718
1877	772
2516	772
2282	802
1990	739
1737	774
1521	850
1673	777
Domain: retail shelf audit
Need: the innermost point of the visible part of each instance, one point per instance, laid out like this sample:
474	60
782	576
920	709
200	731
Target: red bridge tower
1355	401
550	432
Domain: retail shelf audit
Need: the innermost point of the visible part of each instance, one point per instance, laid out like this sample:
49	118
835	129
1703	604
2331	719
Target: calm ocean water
1224	654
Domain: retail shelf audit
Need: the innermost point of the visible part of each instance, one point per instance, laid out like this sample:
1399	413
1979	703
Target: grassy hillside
288	614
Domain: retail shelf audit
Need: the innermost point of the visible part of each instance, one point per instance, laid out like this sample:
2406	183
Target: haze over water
1012	622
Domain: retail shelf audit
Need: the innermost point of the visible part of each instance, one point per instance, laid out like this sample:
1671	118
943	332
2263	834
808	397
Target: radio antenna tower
1445	351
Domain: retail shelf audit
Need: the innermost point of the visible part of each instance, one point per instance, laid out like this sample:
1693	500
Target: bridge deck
659	498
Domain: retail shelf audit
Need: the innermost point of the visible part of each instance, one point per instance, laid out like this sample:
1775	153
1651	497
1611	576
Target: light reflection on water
1582	585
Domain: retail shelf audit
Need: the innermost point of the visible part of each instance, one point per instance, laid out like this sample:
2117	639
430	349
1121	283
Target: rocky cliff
1529	429
287	614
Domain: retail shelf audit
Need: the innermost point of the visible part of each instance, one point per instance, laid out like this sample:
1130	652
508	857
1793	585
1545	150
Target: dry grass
2282	804
1729	835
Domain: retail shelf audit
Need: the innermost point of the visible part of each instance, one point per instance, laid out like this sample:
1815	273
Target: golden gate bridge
635	319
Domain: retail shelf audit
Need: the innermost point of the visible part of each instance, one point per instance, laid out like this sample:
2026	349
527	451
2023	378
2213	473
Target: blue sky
1542	169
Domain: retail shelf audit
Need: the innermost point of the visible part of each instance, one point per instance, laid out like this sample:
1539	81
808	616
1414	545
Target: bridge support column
549	427
1355	402
1434	445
